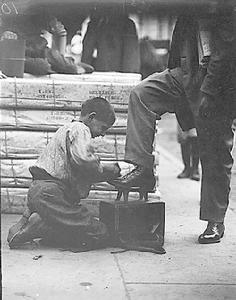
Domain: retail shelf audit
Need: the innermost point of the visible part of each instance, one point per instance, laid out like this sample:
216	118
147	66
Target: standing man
202	58
216	114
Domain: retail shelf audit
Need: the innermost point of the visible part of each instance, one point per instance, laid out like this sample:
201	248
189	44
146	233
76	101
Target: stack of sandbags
32	110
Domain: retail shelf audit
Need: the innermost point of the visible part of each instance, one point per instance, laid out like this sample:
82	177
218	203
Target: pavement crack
122	277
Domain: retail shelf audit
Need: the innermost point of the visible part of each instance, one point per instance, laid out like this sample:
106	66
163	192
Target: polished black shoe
213	233
184	174
138	177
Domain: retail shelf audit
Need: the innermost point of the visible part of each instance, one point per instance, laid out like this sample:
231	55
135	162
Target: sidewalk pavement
187	271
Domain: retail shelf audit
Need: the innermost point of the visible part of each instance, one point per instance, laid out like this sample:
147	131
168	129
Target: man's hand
208	107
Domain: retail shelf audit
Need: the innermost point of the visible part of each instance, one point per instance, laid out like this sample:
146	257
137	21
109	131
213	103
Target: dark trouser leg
156	95
215	143
194	159
50	200
185	152
140	132
195	153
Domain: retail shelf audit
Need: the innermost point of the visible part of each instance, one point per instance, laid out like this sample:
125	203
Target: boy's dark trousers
60	210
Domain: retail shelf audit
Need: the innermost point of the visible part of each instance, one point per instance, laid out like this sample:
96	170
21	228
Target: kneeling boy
62	176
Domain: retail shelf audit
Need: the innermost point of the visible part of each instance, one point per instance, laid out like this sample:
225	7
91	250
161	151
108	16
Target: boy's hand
112	170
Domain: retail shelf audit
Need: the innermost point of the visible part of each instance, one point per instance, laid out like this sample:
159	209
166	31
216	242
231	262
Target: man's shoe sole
195	178
128	187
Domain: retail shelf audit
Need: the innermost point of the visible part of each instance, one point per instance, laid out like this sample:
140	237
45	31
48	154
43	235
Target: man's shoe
213	233
184	174
138	177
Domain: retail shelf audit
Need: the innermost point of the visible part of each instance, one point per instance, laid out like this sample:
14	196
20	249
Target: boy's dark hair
103	109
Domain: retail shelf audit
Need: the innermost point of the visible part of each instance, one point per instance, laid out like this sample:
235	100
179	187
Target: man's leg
195	159
215	143
185	152
154	96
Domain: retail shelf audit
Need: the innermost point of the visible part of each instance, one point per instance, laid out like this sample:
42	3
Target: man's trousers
164	92
154	96
215	137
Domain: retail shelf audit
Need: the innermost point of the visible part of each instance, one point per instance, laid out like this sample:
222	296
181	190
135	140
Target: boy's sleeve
82	154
